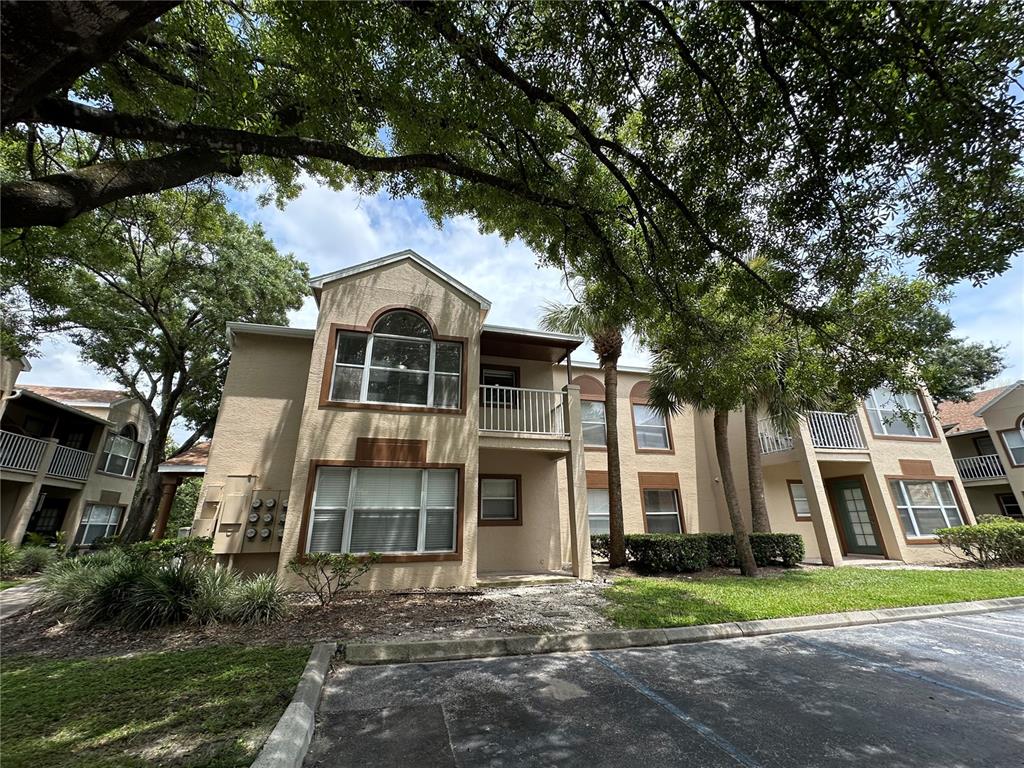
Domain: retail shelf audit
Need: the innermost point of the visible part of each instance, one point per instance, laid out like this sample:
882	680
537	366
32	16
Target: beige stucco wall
1006	414
331	433
780	506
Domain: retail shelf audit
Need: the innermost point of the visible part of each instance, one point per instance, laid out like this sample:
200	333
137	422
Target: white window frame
649	428
1019	434
131	458
514	498
676	513
349	511
887	414
796	512
366	367
899	489
606	516
110	528
603	423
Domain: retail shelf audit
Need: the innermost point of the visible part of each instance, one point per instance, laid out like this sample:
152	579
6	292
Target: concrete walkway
946	691
17	599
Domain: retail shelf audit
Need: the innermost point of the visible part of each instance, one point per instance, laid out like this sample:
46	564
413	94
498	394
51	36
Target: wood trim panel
426	557
480	501
789	487
660	481
929	540
597	479
328	368
830	494
590	387
395	451
916	467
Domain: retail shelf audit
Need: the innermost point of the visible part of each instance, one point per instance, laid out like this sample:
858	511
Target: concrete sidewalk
17	599
915	694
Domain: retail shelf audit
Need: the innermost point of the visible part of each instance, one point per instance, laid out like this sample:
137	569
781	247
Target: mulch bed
367	616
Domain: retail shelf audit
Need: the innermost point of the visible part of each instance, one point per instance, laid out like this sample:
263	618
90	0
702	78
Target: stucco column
168	490
26	503
576	485
825	531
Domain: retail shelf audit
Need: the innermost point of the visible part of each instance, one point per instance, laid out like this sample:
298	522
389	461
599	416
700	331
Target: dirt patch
367	616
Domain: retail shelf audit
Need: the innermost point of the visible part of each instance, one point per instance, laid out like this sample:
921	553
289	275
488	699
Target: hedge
996	541
689	552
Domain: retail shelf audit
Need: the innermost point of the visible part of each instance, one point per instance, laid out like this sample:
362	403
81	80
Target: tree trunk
758	508
744	553
147	496
616	526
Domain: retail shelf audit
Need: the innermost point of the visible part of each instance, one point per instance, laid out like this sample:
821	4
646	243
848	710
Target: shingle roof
196	456
76	394
959	417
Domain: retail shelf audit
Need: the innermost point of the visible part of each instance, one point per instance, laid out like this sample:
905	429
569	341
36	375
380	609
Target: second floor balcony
987	467
829	430
21	453
518	410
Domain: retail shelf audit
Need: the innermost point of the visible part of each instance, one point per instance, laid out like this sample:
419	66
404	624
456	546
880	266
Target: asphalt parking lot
937	692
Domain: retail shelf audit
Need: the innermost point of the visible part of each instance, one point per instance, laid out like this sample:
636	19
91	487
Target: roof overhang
181	469
1012	388
623	368
259	329
502	341
28	393
318	283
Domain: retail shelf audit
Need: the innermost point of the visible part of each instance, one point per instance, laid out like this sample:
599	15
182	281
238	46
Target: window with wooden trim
661	509
121	452
985	445
597	510
595	427
924	506
1013	441
798	495
499	499
370	509
651	428
889	413
399	363
1009	505
98	521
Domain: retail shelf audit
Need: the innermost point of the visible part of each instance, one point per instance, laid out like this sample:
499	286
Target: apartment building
986	438
405	424
68	459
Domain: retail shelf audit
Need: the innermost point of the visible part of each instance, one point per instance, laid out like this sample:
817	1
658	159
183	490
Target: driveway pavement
939	692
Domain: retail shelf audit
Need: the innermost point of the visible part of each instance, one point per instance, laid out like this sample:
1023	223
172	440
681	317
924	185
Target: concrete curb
522	645
288	743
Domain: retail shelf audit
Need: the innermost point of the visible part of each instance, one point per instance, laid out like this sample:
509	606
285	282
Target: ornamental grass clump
259	600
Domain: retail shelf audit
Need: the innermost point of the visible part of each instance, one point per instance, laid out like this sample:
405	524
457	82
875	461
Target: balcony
828	430
515	410
21	453
835	430
70	463
986	467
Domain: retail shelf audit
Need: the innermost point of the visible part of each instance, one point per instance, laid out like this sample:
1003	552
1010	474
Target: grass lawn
206	707
654	602
8	584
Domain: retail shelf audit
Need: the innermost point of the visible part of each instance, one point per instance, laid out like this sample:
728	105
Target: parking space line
708	733
907	673
979	629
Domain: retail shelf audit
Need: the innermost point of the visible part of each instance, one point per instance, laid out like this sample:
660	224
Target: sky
331	230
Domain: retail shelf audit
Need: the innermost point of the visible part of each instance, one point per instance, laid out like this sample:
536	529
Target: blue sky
330	230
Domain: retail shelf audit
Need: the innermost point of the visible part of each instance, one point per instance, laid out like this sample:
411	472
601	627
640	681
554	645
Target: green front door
855	517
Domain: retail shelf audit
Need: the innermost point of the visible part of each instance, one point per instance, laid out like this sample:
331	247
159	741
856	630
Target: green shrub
600	545
35	540
987	544
259	600
1003	519
777	548
34	559
159	596
721	550
215	589
328	574
661	552
10	560
193	550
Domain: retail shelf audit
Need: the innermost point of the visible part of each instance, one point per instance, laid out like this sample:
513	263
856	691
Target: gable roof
1006	390
317	283
958	418
192	461
77	395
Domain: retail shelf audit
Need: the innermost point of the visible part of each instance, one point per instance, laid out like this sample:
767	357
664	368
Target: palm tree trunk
755	477
744	553
616	526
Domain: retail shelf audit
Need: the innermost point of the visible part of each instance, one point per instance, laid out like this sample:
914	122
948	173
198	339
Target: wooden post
168	490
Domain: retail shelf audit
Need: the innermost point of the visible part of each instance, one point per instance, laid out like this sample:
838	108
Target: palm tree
603	326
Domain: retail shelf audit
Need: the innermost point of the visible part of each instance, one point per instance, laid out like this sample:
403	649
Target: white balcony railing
514	409
70	463
980	467
20	452
772	440
835	430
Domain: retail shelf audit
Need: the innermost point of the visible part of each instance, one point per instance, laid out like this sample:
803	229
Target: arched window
595	428
130	431
398	363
